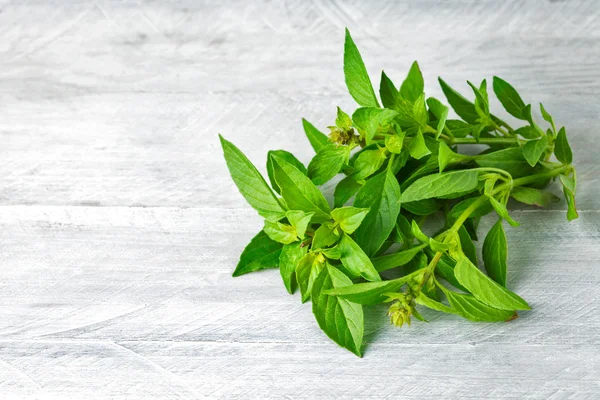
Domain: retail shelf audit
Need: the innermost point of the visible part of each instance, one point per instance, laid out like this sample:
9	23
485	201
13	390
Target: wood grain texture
120	228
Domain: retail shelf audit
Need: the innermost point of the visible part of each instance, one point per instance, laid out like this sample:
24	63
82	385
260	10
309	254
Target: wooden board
119	225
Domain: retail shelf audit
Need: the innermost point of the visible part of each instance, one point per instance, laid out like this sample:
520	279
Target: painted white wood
119	226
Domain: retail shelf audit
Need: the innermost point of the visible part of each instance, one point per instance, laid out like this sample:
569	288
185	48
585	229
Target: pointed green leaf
467	245
389	261
355	260
308	269
290	256
510	99
388	92
441	113
446	184
369	293
261	253
394	142
250	183
357	78
533	150
381	195
325	236
413	86
463	107
287	156
433	304
547	117
533	196
470	308
562	150
343	120
298	191
503	212
349	218
417	147
327	163
282	233
341	320
486	290
316	138
299	220
528	132
344	190
367	163
495	253
370	120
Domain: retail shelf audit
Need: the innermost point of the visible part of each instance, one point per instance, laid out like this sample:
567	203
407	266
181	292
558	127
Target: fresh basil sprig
395	166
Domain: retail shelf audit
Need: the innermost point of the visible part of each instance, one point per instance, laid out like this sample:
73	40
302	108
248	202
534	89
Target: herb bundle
400	164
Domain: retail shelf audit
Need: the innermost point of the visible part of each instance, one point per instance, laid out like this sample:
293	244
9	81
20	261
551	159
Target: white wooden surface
119	225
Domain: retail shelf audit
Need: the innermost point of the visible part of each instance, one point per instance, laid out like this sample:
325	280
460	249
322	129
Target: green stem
484	141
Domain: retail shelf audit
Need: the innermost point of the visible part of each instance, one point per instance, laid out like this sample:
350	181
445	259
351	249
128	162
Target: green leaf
463	205
290	256
343	120
510	99
446	156
569	189
486	290
250	183
316	138
369	293
562	150
470	308
325	236
282	233
495	253
419	112
533	150
349	218
533	196
381	195
341	320
467	245
413	86
433	304
308	269
511	160
422	207
367	163
503	212
441	113
357	78
528	132
298	191
261	253
299	220
459	129
370	120
547	117
333	253
481	102
355	260
445	269
344	190
446	184
417	147
287	156
388	92
327	163
398	259
463	107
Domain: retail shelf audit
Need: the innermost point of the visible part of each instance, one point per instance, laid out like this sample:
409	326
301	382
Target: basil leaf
381	195
369	293
470	308
349	218
370	120
419	112
298	191
486	290
458	209
418	233
287	156
510	99
495	253
547	117
355	260
446	156
417	147
341	320
445	269
533	196
290	256
428	302
282	233
503	212
343	120
446	184
316	138
260	253
250	183
308	269
511	160
344	190
459	129
394	143
467	245
569	188
562	150
327	163
413	86
463	107
357	78
325	236
481	104
398	259
367	163
299	220
528	132
441	113
388	92
533	150
422	207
